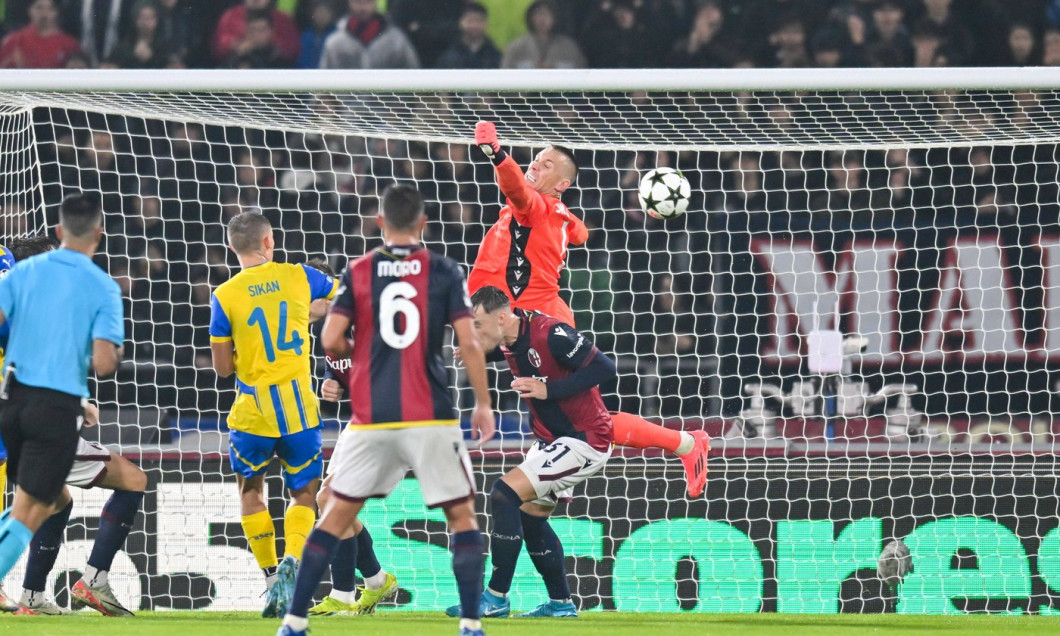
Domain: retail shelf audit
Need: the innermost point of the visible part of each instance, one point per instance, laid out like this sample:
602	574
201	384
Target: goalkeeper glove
486	139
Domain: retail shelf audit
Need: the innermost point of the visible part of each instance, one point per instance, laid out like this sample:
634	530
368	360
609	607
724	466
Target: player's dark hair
402	207
475	7
26	246
538	5
246	231
79	214
569	154
490	299
320	265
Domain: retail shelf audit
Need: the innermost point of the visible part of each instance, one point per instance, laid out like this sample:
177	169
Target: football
894	563
664	193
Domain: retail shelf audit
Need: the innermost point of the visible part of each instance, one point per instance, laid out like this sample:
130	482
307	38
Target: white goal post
861	307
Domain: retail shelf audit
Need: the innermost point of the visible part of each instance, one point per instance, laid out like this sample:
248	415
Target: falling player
523	255
258	330
558	371
94	466
397	299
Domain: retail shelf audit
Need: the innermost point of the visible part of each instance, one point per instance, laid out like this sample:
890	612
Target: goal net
860	307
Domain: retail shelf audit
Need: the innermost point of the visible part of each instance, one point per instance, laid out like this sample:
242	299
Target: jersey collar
400	251
523	341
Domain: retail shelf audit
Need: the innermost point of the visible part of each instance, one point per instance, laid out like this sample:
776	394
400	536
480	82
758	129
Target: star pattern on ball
650	202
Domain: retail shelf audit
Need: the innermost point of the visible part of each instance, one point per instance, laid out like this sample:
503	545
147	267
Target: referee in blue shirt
63	311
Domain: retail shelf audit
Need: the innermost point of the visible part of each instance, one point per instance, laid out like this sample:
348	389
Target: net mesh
925	222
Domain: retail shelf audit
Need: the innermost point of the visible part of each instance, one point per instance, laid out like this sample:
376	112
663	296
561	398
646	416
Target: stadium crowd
640	285
169	188
156	34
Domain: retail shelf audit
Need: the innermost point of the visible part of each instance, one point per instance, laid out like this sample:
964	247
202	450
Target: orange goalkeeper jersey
523	253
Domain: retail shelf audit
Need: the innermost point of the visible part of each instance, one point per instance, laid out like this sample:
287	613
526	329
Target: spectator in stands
889	38
15	220
666	21
1051	47
1022	46
366	39
100	26
614	38
144	47
952	29
321	25
98	170
431	25
40	44
474	49
258	48
756	22
788	44
927	44
706	45
179	24
828	46
230	39
844	32
542	46
845	205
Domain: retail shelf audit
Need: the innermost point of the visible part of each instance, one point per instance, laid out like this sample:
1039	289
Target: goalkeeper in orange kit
523	255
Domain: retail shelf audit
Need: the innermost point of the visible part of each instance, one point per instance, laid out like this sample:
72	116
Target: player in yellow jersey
259	330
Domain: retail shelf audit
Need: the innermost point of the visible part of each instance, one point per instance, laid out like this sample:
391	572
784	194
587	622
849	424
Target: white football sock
341	596
470	623
31	598
687	444
297	623
375	582
94	577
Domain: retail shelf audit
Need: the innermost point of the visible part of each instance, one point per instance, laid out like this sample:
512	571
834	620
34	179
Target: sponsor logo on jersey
398	269
577	345
340	365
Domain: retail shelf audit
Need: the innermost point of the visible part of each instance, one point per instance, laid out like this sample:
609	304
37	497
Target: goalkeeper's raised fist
486	139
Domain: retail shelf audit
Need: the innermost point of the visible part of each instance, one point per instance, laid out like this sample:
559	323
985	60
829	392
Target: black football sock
468	560
114	525
319	549
44	549
506	540
546	552
342	565
367	564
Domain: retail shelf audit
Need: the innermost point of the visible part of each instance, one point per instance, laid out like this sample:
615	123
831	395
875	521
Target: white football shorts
90	465
554	469
369	463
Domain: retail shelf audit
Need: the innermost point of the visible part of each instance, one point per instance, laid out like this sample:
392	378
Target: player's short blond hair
247	230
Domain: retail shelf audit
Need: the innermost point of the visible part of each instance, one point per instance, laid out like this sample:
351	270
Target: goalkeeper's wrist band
498	156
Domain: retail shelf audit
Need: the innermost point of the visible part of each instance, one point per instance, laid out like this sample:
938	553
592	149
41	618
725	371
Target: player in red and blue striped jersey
558	371
398	299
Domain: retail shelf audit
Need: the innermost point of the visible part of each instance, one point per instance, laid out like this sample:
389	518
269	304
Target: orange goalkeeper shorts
556	308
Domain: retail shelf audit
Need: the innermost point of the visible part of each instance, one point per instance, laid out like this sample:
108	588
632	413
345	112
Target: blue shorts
300	455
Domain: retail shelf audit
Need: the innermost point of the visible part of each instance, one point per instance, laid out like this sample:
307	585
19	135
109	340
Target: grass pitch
589	624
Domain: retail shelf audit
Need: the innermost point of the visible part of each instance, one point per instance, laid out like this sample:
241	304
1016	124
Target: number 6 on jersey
394	301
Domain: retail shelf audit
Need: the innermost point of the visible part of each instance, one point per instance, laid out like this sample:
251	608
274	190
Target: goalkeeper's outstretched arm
528	206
